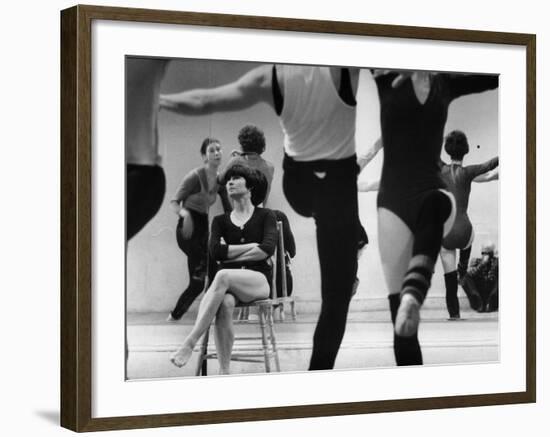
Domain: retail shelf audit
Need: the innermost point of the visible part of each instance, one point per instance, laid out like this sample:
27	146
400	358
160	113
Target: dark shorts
460	236
408	208
145	188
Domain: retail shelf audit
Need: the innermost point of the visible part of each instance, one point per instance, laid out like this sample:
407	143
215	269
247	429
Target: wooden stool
265	352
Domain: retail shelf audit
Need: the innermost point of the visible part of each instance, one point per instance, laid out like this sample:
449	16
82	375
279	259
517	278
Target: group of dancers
316	108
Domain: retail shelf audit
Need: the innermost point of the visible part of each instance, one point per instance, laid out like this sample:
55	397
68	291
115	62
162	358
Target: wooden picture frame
76	217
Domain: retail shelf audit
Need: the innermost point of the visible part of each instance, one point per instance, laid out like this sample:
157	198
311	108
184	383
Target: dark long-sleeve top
459	179
260	228
194	192
412	132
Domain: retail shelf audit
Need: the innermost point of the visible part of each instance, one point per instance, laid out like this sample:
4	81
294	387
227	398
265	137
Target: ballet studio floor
367	342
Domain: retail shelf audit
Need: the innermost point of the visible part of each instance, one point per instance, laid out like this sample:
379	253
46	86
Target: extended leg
247	285
427	244
337	236
395	243
463	260
448	259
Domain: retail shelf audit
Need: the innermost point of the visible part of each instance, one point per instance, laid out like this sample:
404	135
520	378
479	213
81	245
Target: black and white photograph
304	218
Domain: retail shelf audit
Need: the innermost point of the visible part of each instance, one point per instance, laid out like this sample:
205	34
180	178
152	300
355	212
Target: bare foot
181	356
408	316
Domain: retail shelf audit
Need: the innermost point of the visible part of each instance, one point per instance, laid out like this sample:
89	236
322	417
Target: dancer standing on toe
317	111
414	210
241	241
193	199
458	180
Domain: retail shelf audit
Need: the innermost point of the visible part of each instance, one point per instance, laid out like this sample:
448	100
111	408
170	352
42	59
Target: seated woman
242	242
481	281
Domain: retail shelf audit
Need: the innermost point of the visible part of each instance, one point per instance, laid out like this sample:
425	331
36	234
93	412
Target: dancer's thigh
395	242
246	285
448	259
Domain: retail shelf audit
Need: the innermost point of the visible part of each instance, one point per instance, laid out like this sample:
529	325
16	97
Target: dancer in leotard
145	179
458	180
317	111
413	206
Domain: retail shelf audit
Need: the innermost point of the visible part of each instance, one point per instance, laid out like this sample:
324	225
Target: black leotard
412	134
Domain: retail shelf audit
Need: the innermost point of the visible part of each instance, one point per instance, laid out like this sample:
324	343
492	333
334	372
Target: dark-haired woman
414	209
241	242
191	203
458	179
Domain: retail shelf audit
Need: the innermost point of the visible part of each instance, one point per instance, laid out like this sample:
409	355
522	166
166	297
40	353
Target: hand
401	76
187	224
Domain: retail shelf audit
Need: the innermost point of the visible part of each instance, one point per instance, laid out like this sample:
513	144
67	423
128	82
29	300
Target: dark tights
406	349
428	234
195	248
145	187
331	199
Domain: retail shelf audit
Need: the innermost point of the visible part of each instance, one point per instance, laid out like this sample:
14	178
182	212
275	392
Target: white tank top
316	123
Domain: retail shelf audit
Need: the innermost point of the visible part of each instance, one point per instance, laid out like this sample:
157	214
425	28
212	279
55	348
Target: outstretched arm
364	159
479	169
463	84
253	87
487	177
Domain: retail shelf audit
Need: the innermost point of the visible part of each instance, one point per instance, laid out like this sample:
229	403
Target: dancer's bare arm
364	159
487	177
253	87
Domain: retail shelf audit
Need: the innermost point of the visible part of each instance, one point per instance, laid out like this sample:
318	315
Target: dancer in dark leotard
412	205
458	180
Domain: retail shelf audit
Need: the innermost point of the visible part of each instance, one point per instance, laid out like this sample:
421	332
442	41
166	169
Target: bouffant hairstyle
252	139
206	142
255	181
456	145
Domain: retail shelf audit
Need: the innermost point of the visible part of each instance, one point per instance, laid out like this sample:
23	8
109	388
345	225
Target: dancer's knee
221	280
227	307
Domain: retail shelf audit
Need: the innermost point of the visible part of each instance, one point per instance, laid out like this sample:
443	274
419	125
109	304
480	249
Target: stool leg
202	364
265	344
273	340
281	309
293	310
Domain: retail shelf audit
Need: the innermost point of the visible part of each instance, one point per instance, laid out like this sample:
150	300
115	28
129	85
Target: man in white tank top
317	107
